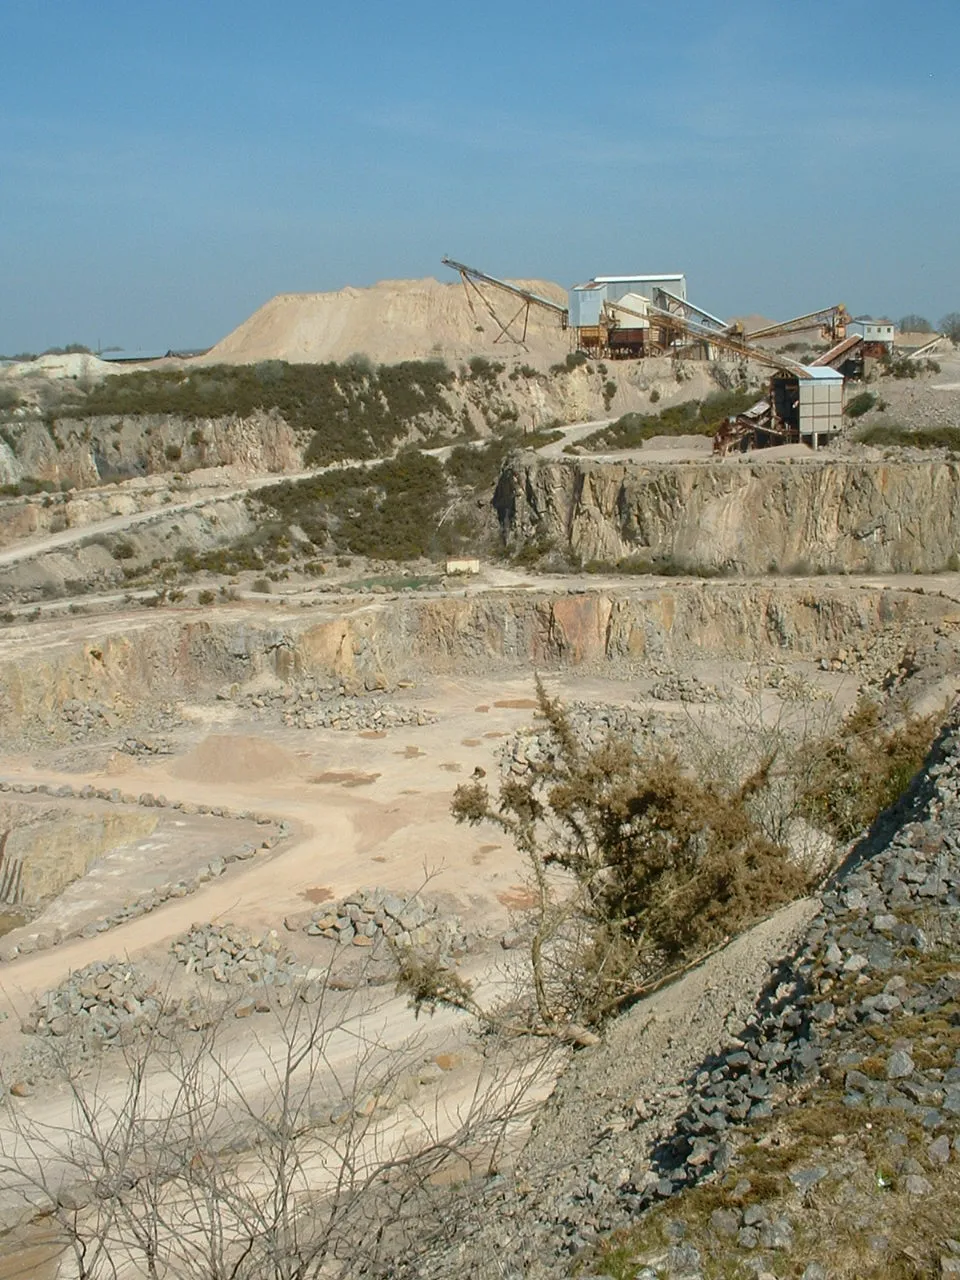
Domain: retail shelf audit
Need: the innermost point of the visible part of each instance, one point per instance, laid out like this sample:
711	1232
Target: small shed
809	408
873	332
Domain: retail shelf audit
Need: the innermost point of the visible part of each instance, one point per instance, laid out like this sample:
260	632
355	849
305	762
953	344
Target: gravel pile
367	916
324	705
592	724
226	953
681	688
868	1005
96	1003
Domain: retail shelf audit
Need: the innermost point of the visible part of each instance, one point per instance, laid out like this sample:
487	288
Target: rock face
743	517
375	646
84	454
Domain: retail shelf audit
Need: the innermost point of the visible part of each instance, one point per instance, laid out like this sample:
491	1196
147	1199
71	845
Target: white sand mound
76	365
391	321
232	757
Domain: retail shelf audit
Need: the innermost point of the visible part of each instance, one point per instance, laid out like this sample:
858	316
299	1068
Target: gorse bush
345	410
658	866
863	768
860	404
389	511
891	433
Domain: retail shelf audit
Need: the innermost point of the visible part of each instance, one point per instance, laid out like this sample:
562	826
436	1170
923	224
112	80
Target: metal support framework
472	278
699	333
833	323
670	302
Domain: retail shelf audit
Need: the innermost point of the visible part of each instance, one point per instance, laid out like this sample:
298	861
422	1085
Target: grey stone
899	1065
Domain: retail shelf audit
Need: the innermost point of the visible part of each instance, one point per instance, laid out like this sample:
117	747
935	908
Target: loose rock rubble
232	955
96	1003
869	1006
324	705
683	688
592	724
368	916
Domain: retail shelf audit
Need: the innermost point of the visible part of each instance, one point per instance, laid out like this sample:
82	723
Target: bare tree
286	1154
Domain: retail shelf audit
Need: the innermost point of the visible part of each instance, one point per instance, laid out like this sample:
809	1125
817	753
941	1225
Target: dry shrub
863	768
638	866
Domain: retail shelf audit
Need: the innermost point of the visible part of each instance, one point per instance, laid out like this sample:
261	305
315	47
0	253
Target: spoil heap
391	321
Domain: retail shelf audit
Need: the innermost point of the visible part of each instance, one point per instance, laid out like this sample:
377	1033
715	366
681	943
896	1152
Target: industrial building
877	337
592	306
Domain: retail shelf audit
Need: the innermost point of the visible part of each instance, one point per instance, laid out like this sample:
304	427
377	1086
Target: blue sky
166	168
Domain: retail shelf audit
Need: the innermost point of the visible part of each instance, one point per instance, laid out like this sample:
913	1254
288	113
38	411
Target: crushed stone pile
95	1004
229	954
325	705
368	916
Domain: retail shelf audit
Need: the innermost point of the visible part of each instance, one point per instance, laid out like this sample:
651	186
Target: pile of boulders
351	713
685	688
591	723
368	916
145	747
883	659
86	717
96	1003
227	953
319	704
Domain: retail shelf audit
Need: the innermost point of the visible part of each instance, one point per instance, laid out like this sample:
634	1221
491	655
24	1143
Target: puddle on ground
518	704
318	893
10	920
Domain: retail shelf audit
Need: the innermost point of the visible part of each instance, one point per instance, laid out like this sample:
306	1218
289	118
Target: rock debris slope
839	1087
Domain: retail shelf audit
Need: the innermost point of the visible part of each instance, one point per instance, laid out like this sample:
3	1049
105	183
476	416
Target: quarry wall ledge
841	515
126	664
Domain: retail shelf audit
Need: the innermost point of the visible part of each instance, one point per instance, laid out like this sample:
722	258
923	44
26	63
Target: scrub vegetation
693	417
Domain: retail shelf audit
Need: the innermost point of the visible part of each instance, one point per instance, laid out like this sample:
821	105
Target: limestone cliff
738	516
126	666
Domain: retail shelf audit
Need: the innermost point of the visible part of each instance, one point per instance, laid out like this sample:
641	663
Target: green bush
206	596
860	404
342	410
662	865
389	511
692	417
